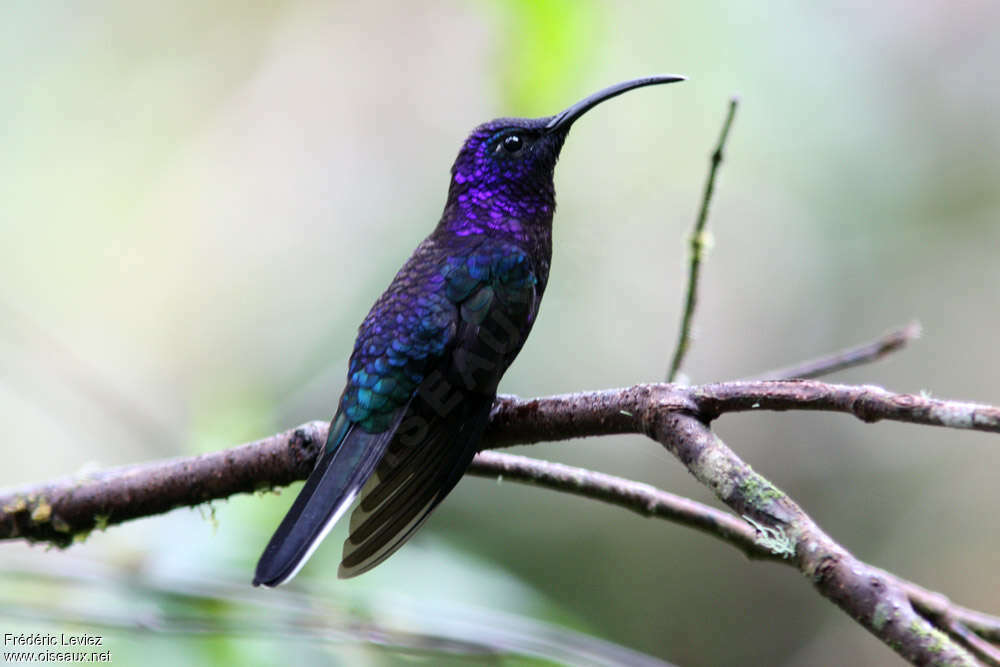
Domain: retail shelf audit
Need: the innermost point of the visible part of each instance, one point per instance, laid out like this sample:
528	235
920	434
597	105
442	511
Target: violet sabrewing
429	355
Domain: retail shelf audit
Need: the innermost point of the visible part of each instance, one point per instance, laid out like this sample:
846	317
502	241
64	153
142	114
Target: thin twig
652	502
858	355
940	608
868	403
640	498
699	244
982	649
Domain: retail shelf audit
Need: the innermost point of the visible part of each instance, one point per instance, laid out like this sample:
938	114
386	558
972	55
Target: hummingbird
427	360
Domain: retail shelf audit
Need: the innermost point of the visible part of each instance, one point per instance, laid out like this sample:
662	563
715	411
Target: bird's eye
513	143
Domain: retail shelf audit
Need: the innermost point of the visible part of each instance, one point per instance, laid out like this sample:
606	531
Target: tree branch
983	650
64	510
67	509
615	411
886	344
640	498
753	542
858	355
876	602
699	242
59	511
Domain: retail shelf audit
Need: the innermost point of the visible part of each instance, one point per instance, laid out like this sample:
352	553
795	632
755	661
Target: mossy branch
676	417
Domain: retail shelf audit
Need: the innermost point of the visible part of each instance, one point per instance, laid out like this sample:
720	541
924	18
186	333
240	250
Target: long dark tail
412	478
349	460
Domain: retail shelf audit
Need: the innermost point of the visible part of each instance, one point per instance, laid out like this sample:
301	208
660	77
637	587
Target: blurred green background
200	201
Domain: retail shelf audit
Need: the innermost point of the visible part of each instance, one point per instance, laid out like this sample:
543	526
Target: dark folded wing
423	464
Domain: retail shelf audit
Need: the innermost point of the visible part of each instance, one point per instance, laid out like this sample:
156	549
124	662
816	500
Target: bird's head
502	177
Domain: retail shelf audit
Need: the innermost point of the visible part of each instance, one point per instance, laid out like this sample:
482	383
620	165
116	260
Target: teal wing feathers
421	382
494	292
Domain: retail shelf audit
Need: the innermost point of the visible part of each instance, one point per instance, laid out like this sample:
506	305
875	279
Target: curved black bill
564	119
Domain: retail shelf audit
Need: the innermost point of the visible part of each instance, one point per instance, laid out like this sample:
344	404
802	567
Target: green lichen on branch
883	614
41	512
926	632
19	504
774	540
758	492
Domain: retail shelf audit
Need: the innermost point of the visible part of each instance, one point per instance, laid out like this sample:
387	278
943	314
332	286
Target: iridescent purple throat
491	195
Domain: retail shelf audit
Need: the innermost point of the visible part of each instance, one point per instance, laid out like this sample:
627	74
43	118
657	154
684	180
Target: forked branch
922	626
